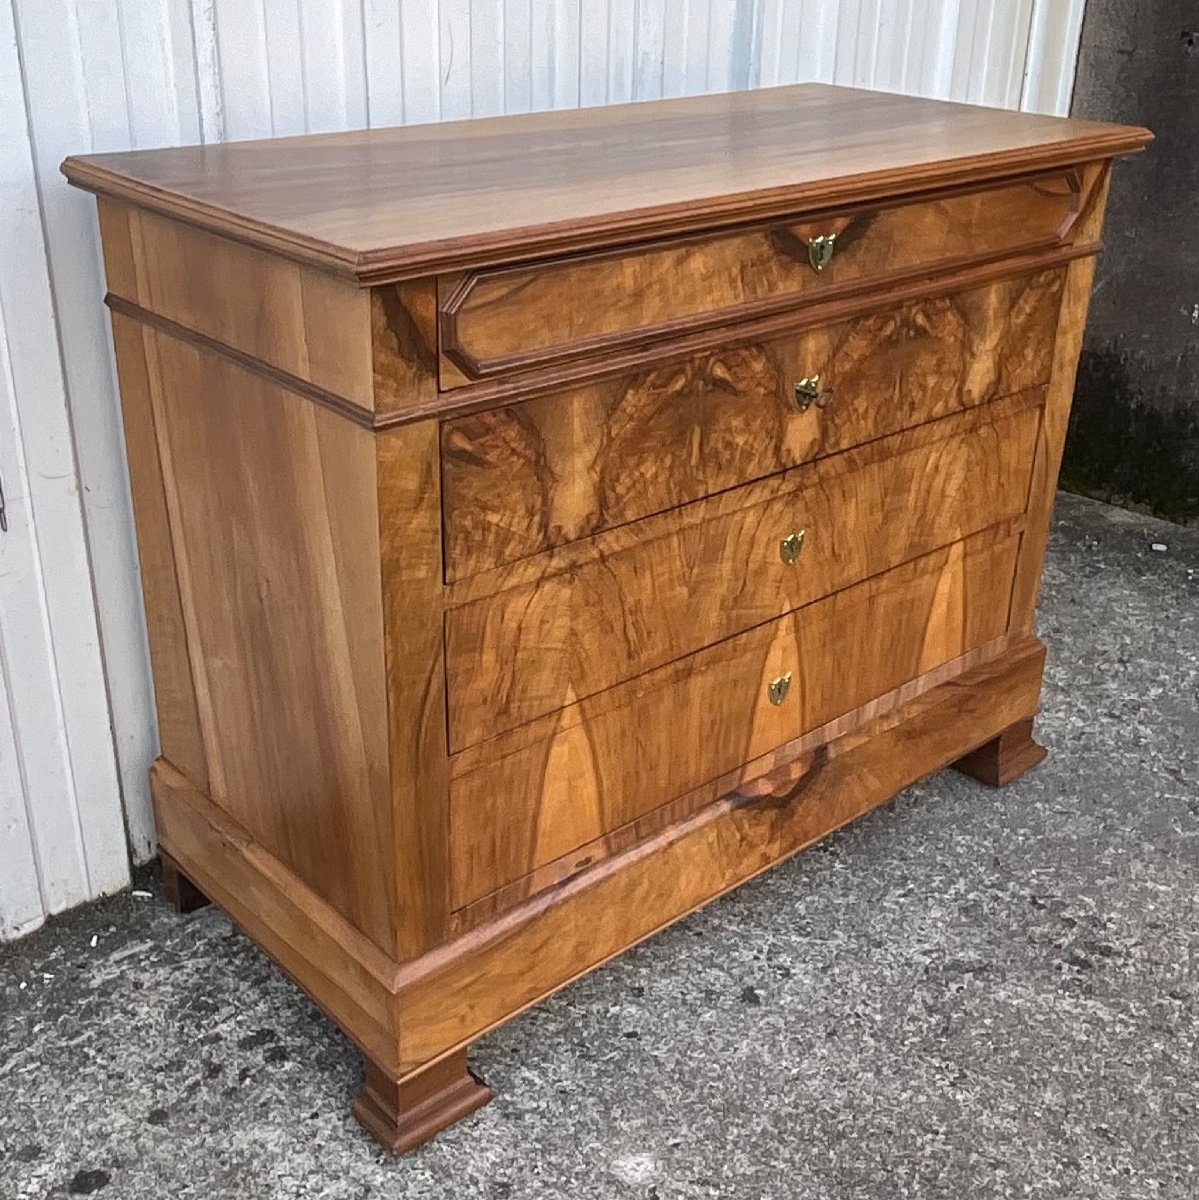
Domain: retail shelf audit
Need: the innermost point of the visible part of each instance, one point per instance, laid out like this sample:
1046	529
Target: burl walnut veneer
549	523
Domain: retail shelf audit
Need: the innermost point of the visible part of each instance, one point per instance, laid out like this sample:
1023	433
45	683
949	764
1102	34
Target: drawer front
507	319
538	794
692	577
523	478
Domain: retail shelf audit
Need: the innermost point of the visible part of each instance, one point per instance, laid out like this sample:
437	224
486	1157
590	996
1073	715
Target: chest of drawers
548	523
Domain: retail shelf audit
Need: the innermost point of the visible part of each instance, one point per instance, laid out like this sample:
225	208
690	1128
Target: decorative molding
293	383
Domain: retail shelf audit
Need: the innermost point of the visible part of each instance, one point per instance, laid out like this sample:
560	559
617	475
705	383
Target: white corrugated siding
76	711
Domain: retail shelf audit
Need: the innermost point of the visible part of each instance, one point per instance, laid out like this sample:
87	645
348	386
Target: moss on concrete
1129	447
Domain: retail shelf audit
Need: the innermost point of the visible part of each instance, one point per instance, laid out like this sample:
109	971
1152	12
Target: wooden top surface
386	203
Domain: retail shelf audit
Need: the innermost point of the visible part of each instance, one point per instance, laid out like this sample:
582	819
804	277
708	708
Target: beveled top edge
380	205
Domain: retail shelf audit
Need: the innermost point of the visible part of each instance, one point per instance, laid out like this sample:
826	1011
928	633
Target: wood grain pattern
404	346
402	1114
516	317
1047	462
306	323
526	798
1005	758
410	550
537	647
523	478
636	358
180	736
389	203
351	978
273	513
770	774
451	996
465	689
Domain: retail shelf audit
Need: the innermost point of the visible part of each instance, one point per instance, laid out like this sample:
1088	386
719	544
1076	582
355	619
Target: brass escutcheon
807	392
820	251
791	545
778	688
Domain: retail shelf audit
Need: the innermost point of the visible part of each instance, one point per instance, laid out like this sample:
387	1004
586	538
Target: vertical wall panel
243	65
555	56
816	41
59	742
593	52
333	64
776	41
697	47
77	96
383	56
20	891
622	31
487	46
1055	28
419	69
283	45
725	24
940	37
893	45
454	47
518	56
209	101
649	49
1006	54
965	45
76	723
675	22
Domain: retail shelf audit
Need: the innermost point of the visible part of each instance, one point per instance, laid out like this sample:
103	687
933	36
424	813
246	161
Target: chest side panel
272	509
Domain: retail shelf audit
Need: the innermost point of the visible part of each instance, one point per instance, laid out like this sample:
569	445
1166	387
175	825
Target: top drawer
508	319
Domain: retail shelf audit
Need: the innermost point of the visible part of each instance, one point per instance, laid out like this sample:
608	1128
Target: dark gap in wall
1134	432
1130	447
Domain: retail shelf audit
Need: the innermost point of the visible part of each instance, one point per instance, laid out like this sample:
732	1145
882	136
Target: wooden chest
548	523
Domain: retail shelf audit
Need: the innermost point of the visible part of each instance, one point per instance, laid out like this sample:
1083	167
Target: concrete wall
1135	433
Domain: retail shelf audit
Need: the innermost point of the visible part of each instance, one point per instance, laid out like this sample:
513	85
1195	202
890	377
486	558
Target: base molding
414	1020
1005	758
345	974
459	991
401	1114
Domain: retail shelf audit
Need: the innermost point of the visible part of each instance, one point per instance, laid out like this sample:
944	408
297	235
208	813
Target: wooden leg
178	889
1005	758
403	1114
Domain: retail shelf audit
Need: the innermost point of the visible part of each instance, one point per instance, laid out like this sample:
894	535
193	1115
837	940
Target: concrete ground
968	994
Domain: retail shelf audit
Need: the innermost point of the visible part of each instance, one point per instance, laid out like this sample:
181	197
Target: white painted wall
76	710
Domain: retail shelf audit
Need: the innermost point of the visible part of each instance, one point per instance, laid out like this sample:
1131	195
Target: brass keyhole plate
778	688
791	545
820	251
807	392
